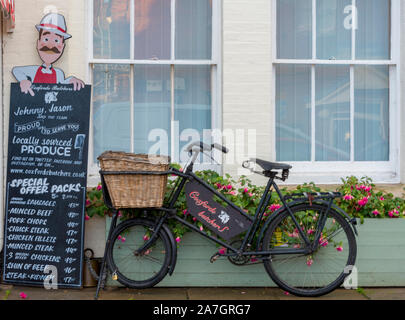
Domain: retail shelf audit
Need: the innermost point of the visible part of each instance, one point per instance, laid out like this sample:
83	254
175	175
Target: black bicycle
307	246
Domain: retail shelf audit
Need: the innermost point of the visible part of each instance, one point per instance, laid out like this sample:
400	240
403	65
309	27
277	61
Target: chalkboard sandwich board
46	185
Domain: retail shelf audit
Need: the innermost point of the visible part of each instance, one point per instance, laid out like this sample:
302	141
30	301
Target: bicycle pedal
214	257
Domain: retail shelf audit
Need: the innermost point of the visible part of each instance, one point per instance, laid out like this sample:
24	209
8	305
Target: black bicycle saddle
268	166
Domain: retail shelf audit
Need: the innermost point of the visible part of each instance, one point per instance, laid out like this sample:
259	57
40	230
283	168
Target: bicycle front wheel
133	269
316	273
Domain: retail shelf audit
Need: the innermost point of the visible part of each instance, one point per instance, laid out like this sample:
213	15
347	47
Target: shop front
312	83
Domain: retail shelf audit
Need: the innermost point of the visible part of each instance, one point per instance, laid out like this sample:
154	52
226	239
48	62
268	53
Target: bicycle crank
238	259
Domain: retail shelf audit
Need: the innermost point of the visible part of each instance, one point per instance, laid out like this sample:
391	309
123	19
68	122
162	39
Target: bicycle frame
248	238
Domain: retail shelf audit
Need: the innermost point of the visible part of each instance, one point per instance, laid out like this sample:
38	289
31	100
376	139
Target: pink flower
253	260
23	295
222	250
323	242
382	199
86	217
185	211
275	207
219	186
250	194
348	197
201	228
229	187
286	293
376	212
178	239
88	202
194	219
367	189
232	192
394	213
123	239
146	237
99	187
340	249
310	231
310	262
362	202
119	237
119	214
246	190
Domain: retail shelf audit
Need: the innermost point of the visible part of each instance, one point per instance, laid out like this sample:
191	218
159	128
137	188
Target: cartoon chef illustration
50	45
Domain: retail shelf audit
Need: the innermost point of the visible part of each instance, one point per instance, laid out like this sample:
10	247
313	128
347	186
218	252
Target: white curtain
192	99
332	105
371	96
111	29
373	33
152	29
293	113
111	108
152	107
294	29
193	29
334	36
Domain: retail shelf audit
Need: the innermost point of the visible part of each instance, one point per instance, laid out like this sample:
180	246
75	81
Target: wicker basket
135	190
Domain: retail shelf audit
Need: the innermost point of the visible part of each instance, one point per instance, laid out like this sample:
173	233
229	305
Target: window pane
193	29
332	120
192	99
371	94
334	33
294	29
152	108
373	33
111	109
293	113
152	29
111	32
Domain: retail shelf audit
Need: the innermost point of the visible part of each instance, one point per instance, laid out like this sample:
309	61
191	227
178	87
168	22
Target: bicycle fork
103	268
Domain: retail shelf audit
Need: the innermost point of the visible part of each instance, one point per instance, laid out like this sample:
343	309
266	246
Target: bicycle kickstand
104	269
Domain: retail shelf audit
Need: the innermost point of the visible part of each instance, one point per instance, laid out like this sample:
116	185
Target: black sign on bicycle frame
224	222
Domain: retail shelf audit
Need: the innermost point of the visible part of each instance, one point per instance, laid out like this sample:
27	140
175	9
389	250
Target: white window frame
331	172
214	62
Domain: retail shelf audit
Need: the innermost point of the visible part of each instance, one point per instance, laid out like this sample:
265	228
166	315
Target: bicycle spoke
323	267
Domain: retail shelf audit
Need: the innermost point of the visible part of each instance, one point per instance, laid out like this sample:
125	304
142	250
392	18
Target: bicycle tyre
137	271
295	282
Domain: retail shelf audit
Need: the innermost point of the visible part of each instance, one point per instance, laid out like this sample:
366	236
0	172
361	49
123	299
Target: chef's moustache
54	49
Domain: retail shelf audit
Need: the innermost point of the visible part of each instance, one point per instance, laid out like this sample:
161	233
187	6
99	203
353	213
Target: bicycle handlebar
205	147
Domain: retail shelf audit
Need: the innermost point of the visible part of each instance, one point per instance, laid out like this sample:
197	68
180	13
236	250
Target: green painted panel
380	260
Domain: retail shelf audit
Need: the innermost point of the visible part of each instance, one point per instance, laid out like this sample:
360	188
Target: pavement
10	292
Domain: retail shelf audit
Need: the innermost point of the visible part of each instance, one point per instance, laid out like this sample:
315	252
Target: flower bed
360	199
381	245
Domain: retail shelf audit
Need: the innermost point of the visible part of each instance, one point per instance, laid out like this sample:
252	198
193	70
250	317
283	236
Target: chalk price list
46	187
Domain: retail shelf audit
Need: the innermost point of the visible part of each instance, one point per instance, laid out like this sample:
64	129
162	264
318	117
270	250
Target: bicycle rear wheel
136	270
321	271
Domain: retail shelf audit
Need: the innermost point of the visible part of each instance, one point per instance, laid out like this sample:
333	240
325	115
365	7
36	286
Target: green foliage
360	199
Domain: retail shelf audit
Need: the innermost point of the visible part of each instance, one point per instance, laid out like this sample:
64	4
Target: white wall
247	74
